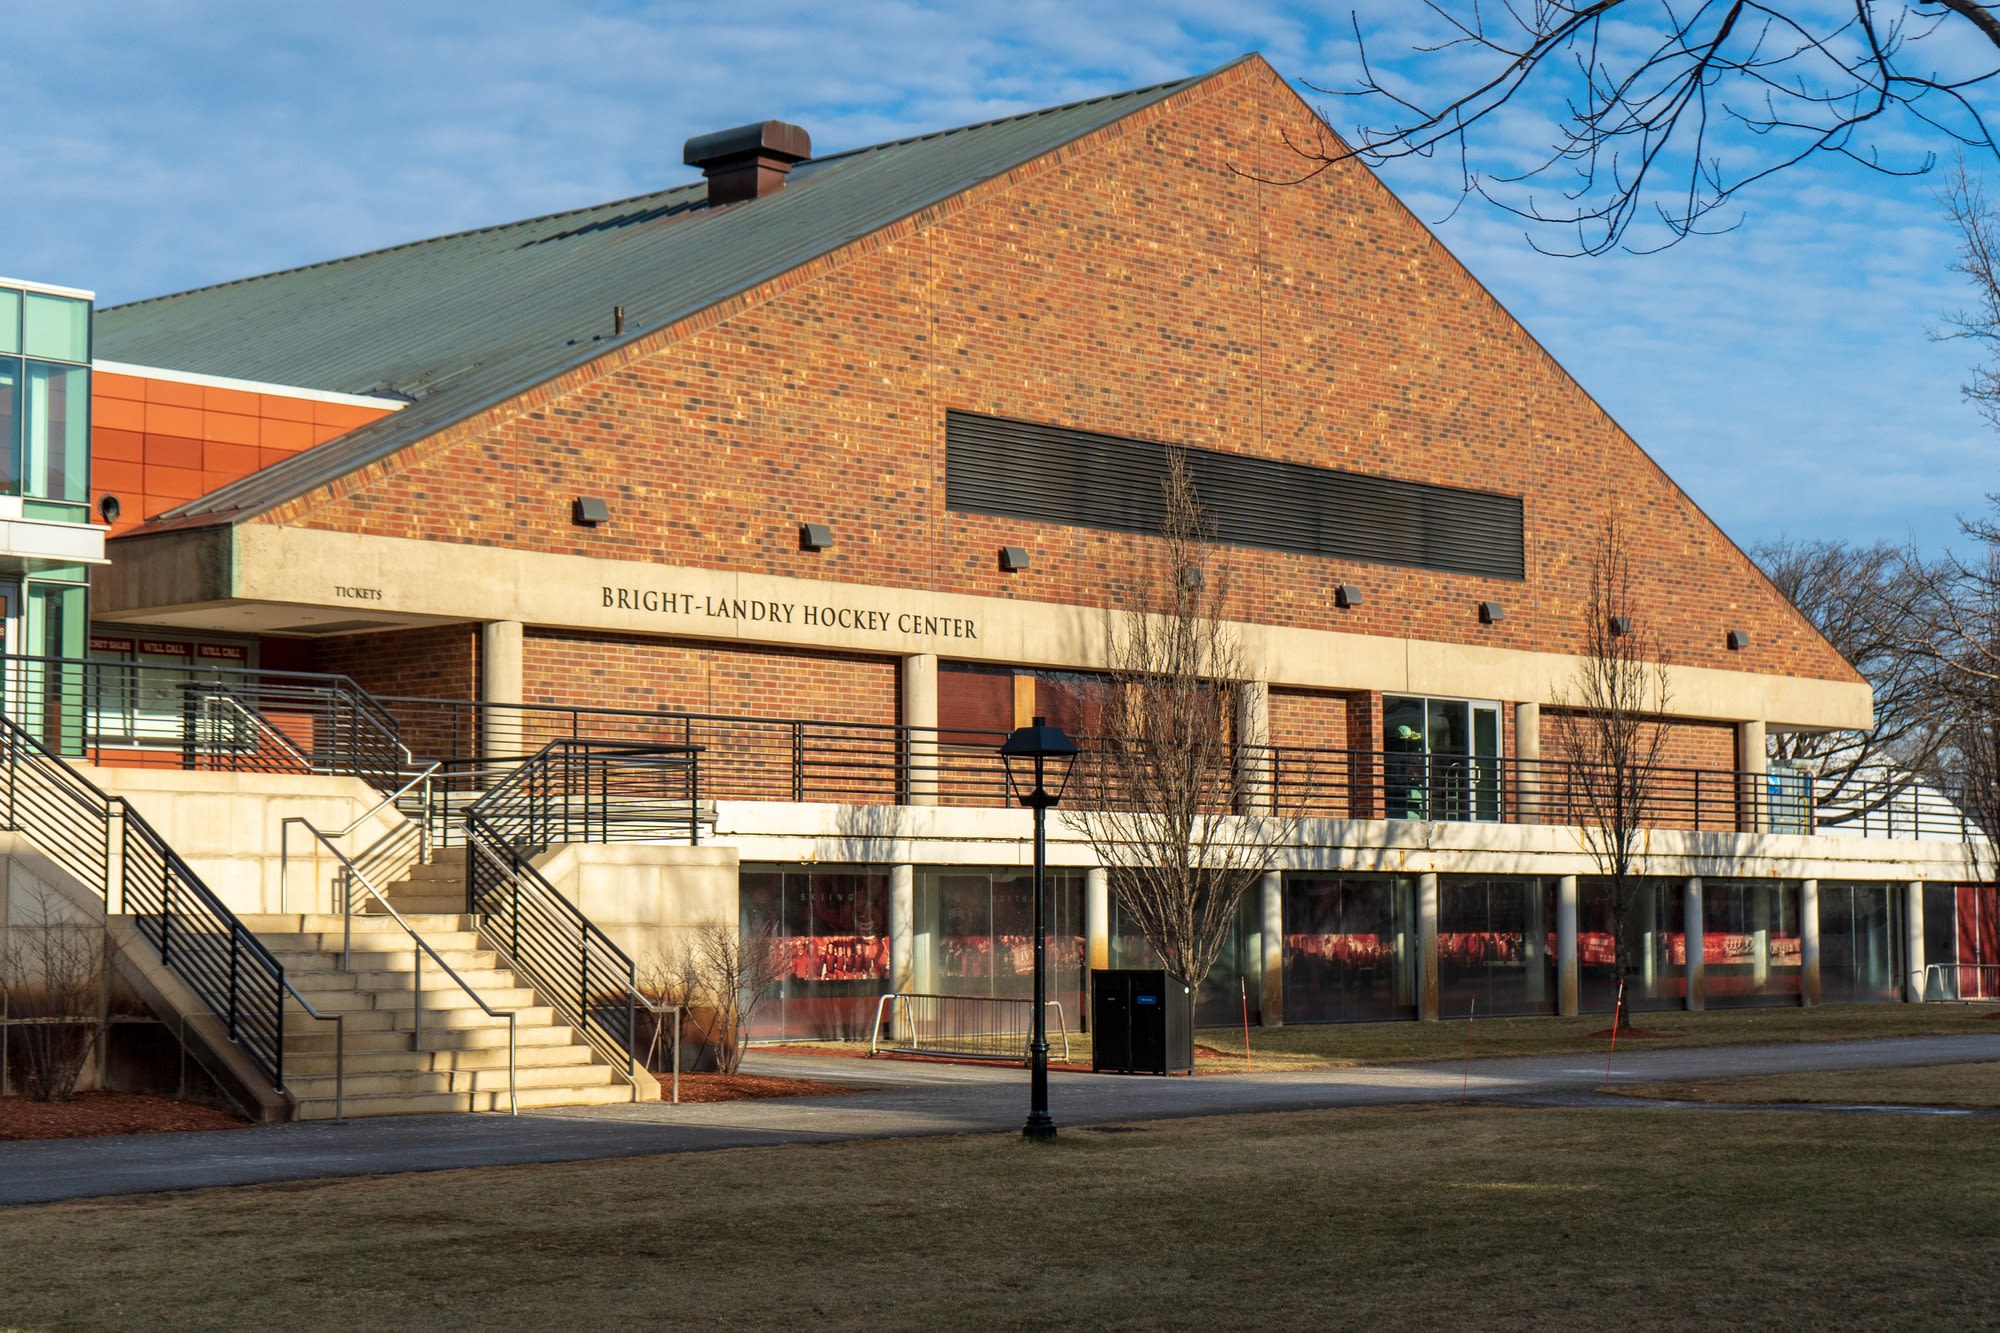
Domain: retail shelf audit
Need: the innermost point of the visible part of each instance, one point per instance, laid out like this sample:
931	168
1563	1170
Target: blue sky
1782	373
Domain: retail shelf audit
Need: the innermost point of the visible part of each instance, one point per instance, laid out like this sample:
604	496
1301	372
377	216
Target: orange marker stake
1243	989
1465	1084
1617	1008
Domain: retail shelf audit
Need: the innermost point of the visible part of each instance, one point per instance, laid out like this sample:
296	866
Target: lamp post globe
1038	757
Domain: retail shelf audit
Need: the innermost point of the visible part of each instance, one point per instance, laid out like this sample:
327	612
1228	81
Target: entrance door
1443	758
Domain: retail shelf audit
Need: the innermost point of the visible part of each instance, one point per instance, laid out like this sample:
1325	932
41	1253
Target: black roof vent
749	161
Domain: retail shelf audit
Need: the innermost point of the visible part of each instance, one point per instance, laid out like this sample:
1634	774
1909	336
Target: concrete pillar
1754	800
902	928
1097	918
1697	967
1808	941
1566	974
1528	763
1427	947
1535	944
500	682
920	716
1271	888
1913	941
1253	747
1760	932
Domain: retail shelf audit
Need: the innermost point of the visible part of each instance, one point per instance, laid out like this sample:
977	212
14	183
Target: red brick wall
1690	790
431	663
1310	719
1138	282
633	671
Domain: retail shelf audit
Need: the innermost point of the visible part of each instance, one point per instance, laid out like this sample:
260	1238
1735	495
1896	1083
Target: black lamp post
1040	755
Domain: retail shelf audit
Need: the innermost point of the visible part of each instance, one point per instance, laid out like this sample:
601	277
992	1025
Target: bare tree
1183	817
1610	734
1662	113
52	978
720	972
1978	261
1860	598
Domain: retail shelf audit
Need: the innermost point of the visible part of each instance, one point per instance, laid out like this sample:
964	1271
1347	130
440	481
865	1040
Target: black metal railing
111	849
597	791
204	717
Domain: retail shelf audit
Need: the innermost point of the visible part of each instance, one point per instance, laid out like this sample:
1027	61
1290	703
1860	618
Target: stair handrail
355	875
422	778
256	721
339	1021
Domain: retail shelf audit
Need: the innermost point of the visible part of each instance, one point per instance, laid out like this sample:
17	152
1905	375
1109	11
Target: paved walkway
898	1099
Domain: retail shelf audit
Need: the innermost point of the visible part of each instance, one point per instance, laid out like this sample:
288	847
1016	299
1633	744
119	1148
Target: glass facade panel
830	926
1940	942
1860	942
10	426
57	327
1656	943
1442	758
975	935
55	453
1238	972
10	321
1350	948
1750	942
55	623
1496	945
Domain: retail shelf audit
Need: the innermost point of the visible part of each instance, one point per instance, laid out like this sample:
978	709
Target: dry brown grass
1438	1217
1973	1087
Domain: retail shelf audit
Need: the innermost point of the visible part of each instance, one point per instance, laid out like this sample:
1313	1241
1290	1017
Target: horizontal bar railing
973	1027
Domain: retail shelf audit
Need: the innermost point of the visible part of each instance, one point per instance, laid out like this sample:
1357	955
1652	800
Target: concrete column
1253	746
1272	1006
920	715
902	927
1566	975
1913	941
1808	941
500	682
1097	918
1535	945
1427	947
1760	934
1528	763
1753	808
1697	967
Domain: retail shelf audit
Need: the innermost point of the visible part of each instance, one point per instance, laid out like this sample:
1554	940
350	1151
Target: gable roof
460	324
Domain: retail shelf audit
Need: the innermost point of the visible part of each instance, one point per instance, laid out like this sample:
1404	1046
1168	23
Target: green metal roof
462	323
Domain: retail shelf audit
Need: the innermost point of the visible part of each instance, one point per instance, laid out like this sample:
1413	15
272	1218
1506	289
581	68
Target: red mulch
745	1087
1642	1033
92	1114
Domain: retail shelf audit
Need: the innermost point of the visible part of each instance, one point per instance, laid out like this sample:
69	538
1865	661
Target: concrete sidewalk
897	1099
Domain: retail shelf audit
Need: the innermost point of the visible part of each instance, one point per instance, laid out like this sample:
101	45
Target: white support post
1566	974
1913	940
1255	788
1528	763
1809	942
1427	947
1097	918
1754	798
902	928
920	715
1272	1004
500	682
1697	967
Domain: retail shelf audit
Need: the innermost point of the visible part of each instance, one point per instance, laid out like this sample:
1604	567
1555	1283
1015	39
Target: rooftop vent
749	161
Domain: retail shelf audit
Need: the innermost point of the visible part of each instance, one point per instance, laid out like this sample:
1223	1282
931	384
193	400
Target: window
1441	758
45	402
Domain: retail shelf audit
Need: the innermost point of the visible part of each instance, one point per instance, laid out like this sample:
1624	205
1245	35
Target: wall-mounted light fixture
815	536
1620	625
1346	596
1738	640
1193	577
1013	559
1491	613
587	511
109	509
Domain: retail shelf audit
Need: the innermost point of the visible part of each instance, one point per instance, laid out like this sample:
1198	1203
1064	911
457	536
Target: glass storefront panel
1860	942
975	935
10	320
1350	948
10	427
830	927
1750	942
1496	945
55	451
57	327
1237	976
1656	944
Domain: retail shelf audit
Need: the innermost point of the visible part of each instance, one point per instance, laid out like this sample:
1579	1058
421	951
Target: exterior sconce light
1346	596
1013	559
1738	640
815	536
1491	613
1620	625
587	511
109	509
1192	576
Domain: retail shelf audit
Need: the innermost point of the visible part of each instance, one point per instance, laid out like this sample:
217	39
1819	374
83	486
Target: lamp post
1035	756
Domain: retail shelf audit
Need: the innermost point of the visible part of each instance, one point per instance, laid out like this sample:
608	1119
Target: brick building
835	464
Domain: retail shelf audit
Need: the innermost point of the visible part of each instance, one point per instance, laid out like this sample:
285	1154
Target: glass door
1442	758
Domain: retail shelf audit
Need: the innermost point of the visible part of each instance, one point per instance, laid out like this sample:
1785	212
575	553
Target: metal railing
597	791
967	1027
111	849
404	845
233	719
1946	982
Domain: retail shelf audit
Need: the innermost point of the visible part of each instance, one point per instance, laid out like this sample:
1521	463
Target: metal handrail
1936	972
422	778
423	946
909	1021
339	1021
257	722
657	1009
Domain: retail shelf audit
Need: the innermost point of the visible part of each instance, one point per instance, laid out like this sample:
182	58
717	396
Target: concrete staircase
428	889
463	1063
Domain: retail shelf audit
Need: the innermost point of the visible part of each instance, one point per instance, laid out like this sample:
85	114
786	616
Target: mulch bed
94	1114
745	1087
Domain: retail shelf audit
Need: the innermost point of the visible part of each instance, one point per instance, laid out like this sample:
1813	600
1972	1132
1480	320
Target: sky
1784	373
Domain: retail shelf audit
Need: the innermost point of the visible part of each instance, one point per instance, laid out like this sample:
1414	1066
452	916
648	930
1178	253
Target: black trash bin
1141	1022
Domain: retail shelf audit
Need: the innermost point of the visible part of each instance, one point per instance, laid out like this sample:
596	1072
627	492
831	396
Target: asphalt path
893	1099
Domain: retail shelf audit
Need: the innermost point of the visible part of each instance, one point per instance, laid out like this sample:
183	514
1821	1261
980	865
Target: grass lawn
1492	1218
1973	1086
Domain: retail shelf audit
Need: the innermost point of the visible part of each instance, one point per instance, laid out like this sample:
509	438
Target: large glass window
830	926
1236	978
48	696
1860	942
1496	945
975	932
1441	758
1350	948
55	449
56	328
1655	929
1750	942
45	402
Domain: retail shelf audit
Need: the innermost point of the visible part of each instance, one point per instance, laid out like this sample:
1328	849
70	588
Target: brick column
920	714
500	682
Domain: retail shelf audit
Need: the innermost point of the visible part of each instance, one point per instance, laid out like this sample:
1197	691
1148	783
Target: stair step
527	1056
319	1040
539	1078
431	1103
300	963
